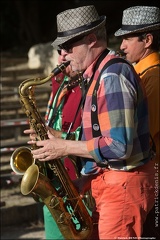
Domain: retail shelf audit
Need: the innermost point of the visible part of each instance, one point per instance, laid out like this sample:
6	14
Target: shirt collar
90	70
151	59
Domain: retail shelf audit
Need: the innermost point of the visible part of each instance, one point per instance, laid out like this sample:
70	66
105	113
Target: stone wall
43	56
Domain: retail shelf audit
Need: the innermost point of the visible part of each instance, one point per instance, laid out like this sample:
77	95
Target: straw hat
139	19
76	22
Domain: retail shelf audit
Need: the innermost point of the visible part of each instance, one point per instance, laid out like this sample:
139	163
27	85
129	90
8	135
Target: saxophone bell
21	159
68	211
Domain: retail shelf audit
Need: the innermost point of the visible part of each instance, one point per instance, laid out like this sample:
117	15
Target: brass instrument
22	158
63	202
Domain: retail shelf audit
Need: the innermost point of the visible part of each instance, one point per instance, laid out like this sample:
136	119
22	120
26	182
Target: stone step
29	230
9	92
17	208
15	215
7	147
21	70
10	61
13	114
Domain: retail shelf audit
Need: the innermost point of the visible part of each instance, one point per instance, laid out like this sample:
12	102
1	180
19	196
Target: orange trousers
123	200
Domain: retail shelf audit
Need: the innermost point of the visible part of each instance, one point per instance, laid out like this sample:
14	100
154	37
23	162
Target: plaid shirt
123	119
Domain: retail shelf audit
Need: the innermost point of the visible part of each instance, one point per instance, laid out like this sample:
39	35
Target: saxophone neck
29	83
75	81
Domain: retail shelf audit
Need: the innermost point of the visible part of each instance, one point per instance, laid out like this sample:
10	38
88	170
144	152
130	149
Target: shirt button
93	108
96	127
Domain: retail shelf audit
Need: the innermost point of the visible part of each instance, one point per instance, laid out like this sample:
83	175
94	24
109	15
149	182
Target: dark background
28	22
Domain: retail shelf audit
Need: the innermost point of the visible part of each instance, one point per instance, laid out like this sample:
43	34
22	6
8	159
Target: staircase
16	208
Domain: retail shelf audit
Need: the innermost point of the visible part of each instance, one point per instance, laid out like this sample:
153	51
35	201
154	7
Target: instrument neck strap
83	86
54	106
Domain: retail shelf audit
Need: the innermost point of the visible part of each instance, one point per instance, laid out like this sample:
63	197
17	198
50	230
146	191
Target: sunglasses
59	51
67	47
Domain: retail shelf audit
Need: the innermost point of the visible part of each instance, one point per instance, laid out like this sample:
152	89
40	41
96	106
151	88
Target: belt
119	165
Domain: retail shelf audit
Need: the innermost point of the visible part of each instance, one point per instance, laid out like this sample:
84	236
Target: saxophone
64	203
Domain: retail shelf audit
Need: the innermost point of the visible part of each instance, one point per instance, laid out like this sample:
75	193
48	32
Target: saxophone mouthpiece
121	54
60	68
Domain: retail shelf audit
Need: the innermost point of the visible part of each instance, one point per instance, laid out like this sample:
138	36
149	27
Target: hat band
79	29
135	27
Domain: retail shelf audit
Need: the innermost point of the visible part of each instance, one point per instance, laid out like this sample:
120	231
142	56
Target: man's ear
91	39
148	39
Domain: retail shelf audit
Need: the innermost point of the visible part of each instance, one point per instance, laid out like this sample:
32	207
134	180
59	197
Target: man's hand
32	134
54	132
49	149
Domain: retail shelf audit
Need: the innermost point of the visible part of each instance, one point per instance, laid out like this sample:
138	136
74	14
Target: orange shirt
151	81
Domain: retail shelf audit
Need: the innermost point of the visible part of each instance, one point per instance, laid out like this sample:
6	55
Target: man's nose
122	46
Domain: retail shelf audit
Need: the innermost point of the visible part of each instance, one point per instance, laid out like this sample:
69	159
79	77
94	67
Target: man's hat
139	19
76	22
